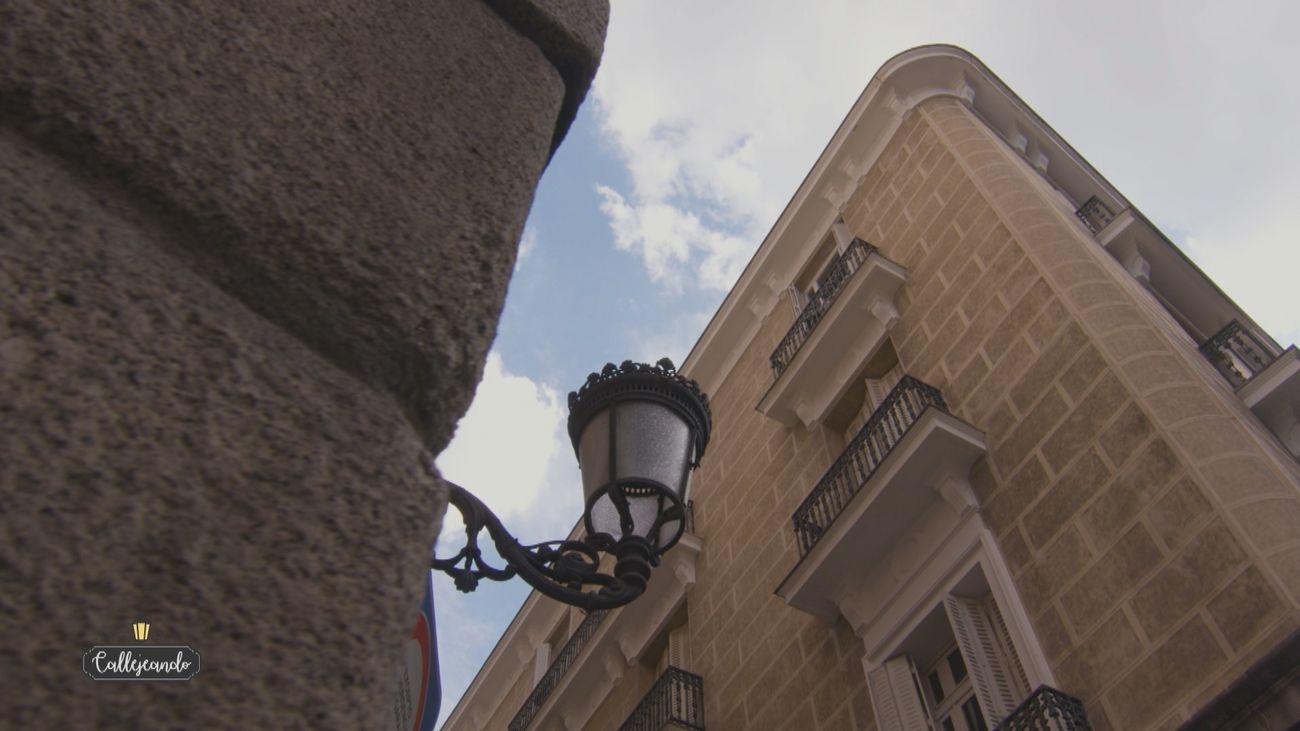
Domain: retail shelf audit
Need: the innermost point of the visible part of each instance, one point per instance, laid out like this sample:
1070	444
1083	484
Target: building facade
987	448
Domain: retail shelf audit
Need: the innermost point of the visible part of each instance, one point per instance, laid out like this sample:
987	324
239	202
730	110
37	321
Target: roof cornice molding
902	83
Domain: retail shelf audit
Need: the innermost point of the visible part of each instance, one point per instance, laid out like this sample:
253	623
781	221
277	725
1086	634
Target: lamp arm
558	569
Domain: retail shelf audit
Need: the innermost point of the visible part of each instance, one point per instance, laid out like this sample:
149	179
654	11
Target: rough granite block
356	172
171	457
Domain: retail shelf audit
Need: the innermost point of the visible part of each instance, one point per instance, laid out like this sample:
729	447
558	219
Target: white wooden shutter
797	299
879	388
843	237
897	705
994	686
1008	647
541	661
677	650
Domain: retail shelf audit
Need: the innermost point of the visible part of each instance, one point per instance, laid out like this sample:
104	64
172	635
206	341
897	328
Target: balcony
676	702
556	672
842	326
1183	290
832	283
1266	382
1047	709
606	643
910	454
1095	214
1237	354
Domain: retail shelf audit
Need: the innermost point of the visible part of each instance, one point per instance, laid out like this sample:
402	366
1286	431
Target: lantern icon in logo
141	631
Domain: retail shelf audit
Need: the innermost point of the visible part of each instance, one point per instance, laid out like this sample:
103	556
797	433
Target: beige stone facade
1136	524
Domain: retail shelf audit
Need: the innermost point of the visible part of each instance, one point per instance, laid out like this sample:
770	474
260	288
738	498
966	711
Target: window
870	388
674	652
951	694
805	287
969	678
813	277
670	647
548	650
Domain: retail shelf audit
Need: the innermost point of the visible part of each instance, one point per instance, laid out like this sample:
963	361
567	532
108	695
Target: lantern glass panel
653	445
593	454
653	442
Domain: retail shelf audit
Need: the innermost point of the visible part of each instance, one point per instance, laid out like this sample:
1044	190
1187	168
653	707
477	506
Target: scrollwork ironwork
1095	214
1047	709
563	570
819	303
879	435
1237	353
677	698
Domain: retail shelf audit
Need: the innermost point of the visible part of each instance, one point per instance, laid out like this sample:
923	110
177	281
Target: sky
705	116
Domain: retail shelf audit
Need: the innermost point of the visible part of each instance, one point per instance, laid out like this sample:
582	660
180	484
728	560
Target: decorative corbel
884	311
959	495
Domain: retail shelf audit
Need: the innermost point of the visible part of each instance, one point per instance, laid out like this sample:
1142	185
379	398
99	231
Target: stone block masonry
1120	499
252	260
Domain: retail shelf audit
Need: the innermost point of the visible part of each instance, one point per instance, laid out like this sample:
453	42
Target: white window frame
969	548
842	237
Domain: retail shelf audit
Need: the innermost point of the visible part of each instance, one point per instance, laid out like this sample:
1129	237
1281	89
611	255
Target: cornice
902	83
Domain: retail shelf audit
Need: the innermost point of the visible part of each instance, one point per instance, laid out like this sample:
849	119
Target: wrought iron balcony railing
877	438
1237	353
677	697
1095	214
1047	709
829	287
555	673
569	654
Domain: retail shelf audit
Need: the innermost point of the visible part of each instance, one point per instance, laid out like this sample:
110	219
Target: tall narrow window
813	277
957	671
951	694
547	651
674	653
895	696
994	672
879	388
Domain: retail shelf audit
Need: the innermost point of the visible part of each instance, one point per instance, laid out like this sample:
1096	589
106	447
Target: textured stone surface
571	33
1164	427
246	248
356	172
169	456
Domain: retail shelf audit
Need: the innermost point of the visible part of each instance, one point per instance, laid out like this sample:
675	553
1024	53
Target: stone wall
764	664
253	257
623	698
1152	521
1149	522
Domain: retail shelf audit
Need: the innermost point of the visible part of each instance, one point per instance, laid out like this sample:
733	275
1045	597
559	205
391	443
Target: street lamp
637	430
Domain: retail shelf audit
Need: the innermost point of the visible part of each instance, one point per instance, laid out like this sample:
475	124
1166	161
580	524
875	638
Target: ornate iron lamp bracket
562	570
662	419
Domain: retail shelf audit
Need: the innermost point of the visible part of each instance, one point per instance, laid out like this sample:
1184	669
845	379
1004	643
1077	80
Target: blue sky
705	117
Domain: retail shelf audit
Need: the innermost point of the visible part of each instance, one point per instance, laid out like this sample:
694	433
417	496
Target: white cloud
667	237
505	443
511	449
671	339
468	626
527	243
1255	259
719	109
